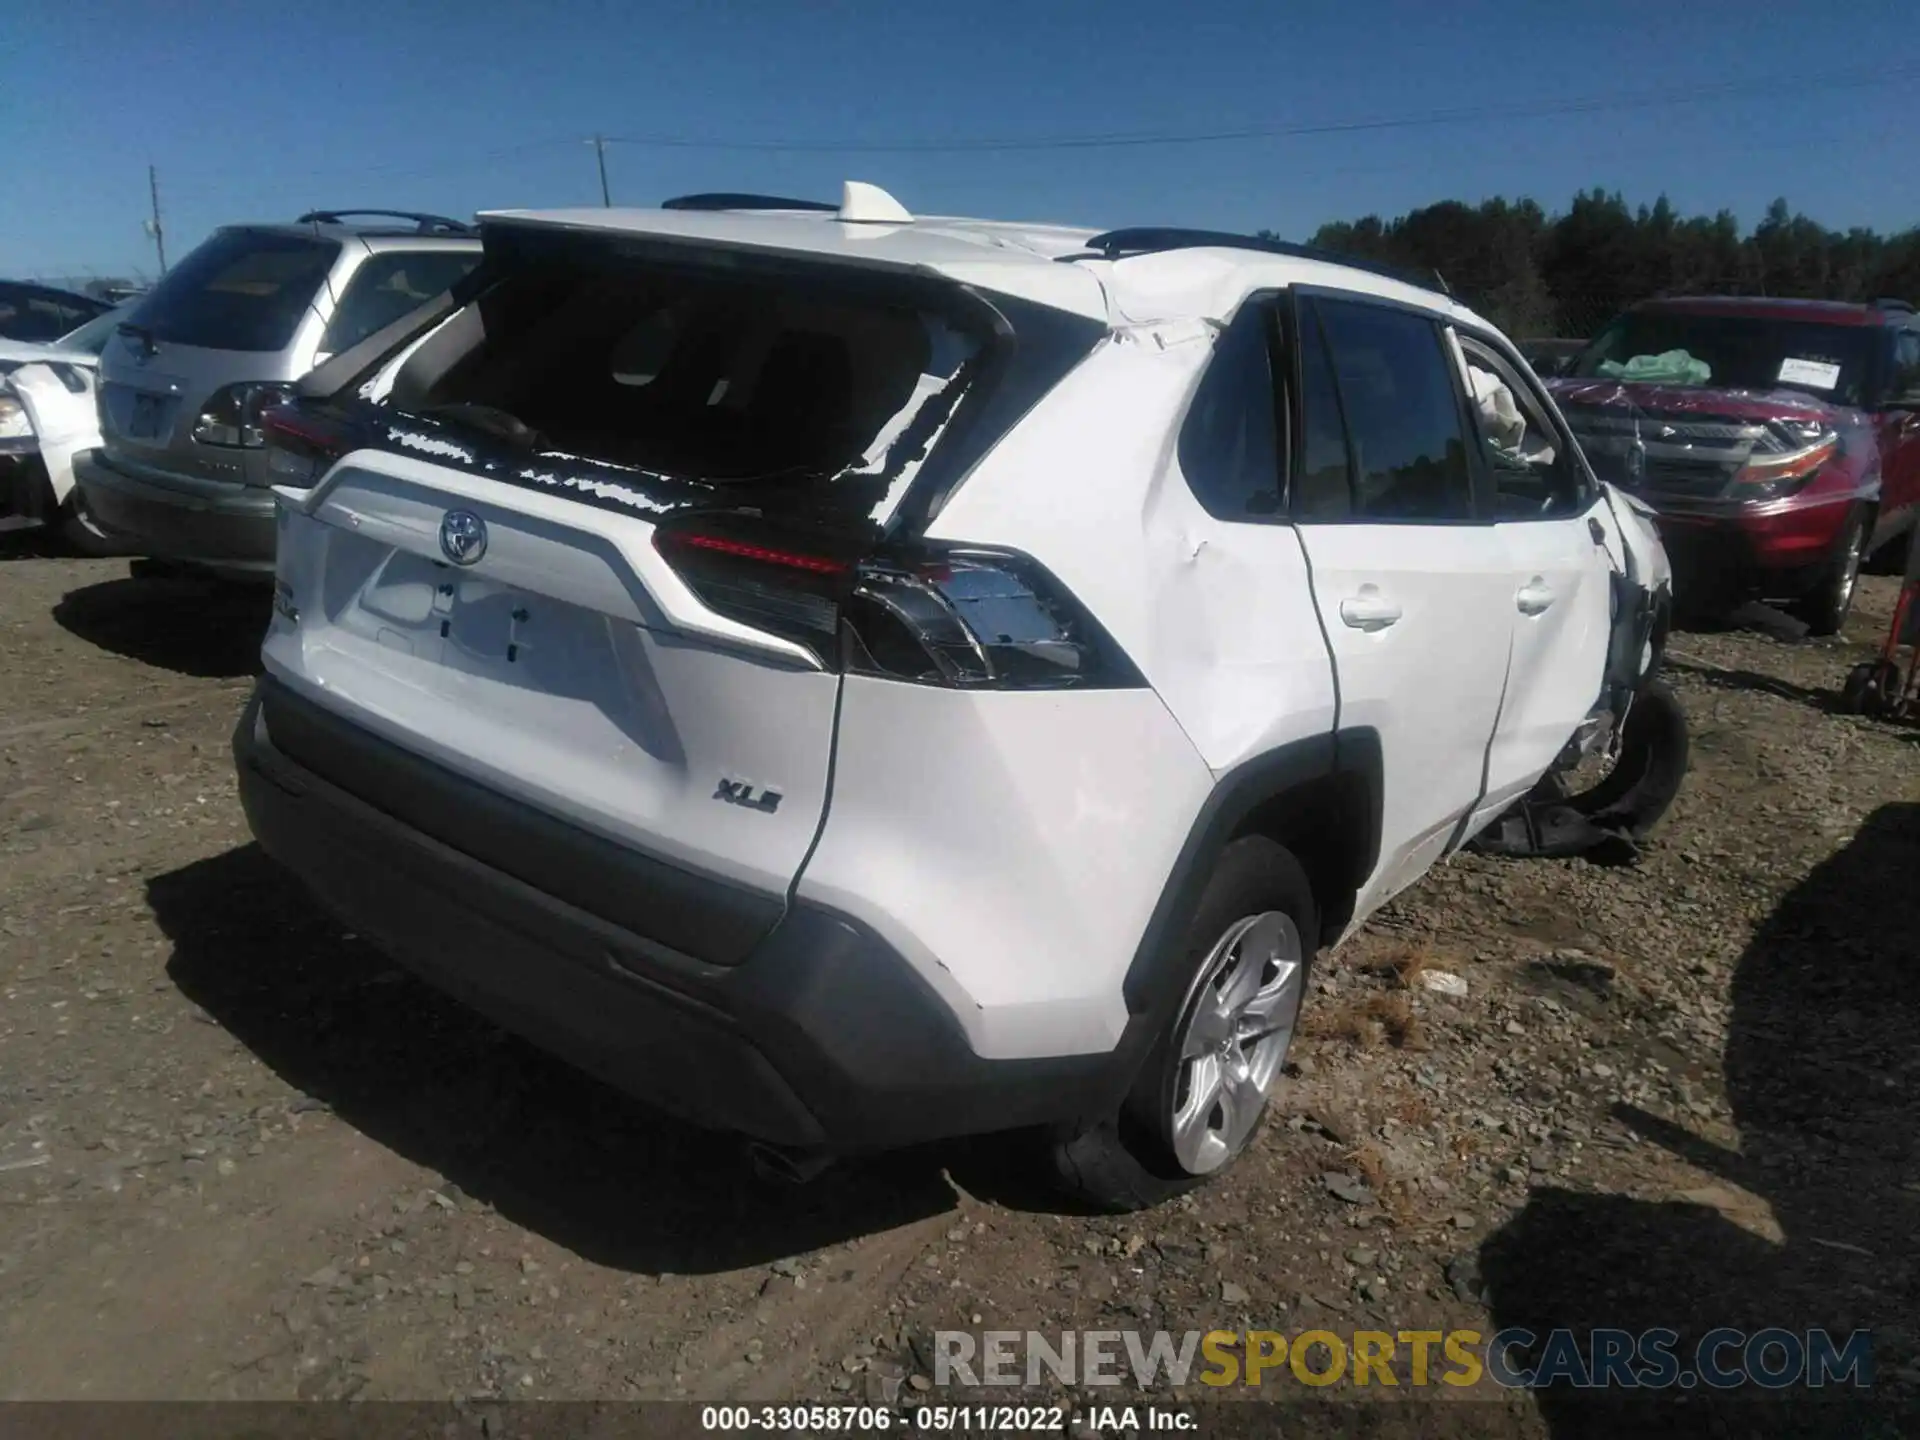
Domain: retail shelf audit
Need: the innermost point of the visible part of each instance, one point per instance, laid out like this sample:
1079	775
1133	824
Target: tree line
1538	275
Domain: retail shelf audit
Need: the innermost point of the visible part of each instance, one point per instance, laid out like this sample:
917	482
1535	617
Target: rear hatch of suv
225	315
589	549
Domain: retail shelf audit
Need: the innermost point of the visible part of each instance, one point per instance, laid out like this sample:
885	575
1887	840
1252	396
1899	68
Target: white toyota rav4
851	678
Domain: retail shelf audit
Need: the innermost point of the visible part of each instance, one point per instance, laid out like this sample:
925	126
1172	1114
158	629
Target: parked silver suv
181	472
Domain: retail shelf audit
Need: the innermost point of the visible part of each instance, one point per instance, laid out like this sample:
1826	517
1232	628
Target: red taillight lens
669	541
233	418
301	447
967	618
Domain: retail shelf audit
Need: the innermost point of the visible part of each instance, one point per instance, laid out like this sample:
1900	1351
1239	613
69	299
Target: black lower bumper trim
823	1037
236	537
707	920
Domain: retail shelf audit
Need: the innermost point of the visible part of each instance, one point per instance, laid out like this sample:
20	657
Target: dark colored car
42	313
1779	440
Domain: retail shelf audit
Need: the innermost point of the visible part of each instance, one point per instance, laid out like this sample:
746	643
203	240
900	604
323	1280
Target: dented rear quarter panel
1218	615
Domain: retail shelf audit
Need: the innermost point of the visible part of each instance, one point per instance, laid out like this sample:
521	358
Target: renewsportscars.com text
1725	1359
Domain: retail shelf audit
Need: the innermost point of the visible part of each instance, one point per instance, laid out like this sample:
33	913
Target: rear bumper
224	528
822	1036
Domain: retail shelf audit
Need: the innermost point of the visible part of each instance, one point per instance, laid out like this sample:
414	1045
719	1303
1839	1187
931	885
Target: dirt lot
242	1156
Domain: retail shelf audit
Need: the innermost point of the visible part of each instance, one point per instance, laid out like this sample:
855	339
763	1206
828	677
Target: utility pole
600	153
153	225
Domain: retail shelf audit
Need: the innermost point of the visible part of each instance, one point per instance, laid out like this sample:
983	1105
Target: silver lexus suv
181	472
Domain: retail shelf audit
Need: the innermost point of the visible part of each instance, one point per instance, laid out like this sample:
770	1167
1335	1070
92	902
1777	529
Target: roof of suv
1769	307
1191	277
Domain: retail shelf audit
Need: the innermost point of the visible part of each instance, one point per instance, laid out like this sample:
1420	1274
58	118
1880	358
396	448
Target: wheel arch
1320	797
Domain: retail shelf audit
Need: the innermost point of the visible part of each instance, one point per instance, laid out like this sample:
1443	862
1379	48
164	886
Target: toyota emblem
463	537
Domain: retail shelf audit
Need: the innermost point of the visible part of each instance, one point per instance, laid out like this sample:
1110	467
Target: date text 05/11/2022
945	1419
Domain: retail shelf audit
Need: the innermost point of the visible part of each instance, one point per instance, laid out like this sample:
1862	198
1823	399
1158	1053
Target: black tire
1871	689
1125	1161
1642	786
1826	606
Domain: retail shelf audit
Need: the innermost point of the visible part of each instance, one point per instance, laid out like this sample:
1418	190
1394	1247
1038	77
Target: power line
392	170
1640	100
284	181
599	144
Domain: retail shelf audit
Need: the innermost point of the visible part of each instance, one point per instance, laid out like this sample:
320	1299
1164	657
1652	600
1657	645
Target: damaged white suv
853	679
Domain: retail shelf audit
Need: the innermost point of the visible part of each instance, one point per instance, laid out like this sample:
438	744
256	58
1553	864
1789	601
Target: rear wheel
1202	1092
1826	607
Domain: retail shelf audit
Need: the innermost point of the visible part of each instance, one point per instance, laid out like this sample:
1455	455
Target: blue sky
257	111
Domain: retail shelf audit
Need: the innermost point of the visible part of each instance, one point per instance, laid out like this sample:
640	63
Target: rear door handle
1369	610
1534	598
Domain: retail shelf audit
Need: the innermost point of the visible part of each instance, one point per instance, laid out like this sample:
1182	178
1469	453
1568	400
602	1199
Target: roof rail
423	224
1147	240
1889	303
727	200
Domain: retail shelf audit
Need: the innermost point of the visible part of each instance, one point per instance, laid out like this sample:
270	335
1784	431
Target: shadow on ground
549	1147
1719	678
34	542
192	627
1823	1080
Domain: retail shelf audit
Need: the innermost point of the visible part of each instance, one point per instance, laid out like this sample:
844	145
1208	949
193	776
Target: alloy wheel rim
1238	1025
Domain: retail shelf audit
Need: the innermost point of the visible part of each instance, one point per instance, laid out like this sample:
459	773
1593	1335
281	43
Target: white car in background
47	416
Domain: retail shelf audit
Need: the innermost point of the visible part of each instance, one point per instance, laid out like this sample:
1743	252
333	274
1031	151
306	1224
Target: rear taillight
301	446
1778	474
231	417
934	615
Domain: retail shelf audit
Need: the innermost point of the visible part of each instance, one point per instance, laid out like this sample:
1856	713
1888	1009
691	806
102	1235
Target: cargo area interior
724	379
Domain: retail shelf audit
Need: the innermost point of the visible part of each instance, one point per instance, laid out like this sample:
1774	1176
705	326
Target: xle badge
739	792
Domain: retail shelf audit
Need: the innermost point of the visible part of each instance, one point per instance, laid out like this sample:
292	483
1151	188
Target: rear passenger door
1407	572
1553	528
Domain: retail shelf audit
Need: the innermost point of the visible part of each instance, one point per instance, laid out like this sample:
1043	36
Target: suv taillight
302	446
231	417
934	615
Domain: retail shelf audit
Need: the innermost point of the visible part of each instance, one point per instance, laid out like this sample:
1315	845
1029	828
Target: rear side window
1229	447
389	285
240	290
1402	412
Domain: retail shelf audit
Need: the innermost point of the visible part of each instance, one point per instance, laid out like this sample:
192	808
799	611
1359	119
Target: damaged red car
1778	440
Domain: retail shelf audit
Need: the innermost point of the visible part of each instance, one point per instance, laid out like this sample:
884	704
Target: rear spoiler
325	381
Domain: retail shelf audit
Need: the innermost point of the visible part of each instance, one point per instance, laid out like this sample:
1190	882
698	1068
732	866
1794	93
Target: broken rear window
722	379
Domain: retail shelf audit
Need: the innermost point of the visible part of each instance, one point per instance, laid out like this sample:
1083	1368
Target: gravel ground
242	1156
